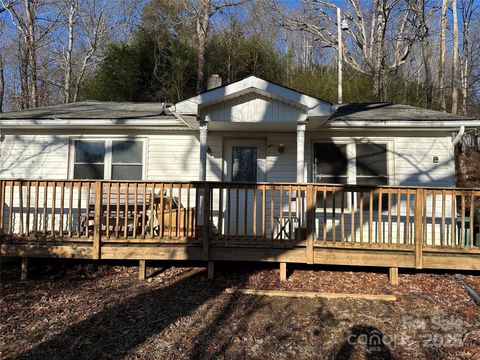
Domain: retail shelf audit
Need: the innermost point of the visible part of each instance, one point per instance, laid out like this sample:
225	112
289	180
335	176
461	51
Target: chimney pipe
214	81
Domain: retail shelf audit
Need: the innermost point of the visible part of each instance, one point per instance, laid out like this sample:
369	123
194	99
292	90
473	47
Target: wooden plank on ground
311	295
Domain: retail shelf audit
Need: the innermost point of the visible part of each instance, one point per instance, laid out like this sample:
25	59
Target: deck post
142	269
301	126
203	151
211	270
418	224
206	222
24	269
283	271
97	222
393	275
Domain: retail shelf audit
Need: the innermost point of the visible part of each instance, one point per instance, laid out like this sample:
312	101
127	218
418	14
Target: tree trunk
2	84
465	86
426	55
455	59
468	11
379	73
441	65
68	60
32	52
203	24
25	96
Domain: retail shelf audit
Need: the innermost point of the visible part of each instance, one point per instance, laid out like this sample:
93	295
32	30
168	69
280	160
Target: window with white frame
108	159
351	162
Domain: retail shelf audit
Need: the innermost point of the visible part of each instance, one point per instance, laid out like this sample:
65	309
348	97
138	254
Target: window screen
331	163
244	164
127	160
89	160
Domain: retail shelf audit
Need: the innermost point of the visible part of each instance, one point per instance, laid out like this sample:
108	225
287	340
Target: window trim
108	152
352	155
352	160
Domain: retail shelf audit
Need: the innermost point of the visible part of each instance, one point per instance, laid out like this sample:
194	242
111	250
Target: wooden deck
395	227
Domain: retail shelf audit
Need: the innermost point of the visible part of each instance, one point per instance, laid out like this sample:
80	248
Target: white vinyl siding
253	107
34	156
414	161
173	157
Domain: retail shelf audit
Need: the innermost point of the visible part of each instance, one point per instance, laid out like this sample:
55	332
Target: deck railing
217	213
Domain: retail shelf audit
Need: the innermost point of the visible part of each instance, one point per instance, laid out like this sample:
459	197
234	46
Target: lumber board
311	295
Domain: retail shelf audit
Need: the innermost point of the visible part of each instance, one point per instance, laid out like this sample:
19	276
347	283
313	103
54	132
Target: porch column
301	152
202	175
300	170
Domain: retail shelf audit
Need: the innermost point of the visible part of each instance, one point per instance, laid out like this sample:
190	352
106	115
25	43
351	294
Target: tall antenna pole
340	56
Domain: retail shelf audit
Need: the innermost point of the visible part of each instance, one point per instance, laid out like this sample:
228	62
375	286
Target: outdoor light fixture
281	148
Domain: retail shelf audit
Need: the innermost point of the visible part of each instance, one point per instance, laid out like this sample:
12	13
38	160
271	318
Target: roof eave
89	123
412	124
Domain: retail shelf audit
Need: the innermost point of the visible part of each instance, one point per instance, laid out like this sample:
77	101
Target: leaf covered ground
80	310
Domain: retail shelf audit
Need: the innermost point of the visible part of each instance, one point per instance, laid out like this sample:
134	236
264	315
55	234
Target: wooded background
419	52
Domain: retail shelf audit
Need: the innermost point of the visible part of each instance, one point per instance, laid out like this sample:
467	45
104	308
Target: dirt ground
79	310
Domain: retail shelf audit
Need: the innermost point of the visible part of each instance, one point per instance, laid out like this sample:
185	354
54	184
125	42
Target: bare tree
443	48
2	84
67	82
96	22
202	11
423	35
455	58
26	18
468	9
369	52
2	76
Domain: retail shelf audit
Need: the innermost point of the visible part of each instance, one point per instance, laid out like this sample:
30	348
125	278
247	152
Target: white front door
244	161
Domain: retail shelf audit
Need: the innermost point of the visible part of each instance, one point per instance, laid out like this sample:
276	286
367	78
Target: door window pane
244	164
89	160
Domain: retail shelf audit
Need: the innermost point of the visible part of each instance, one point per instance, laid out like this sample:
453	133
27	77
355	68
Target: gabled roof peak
313	107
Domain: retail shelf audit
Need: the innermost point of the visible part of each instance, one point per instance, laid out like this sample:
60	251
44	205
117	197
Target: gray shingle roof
390	112
92	110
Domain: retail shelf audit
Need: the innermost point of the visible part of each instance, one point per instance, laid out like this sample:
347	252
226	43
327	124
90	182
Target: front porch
387	226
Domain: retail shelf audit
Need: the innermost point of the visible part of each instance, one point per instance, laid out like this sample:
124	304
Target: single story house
278	134
250	132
